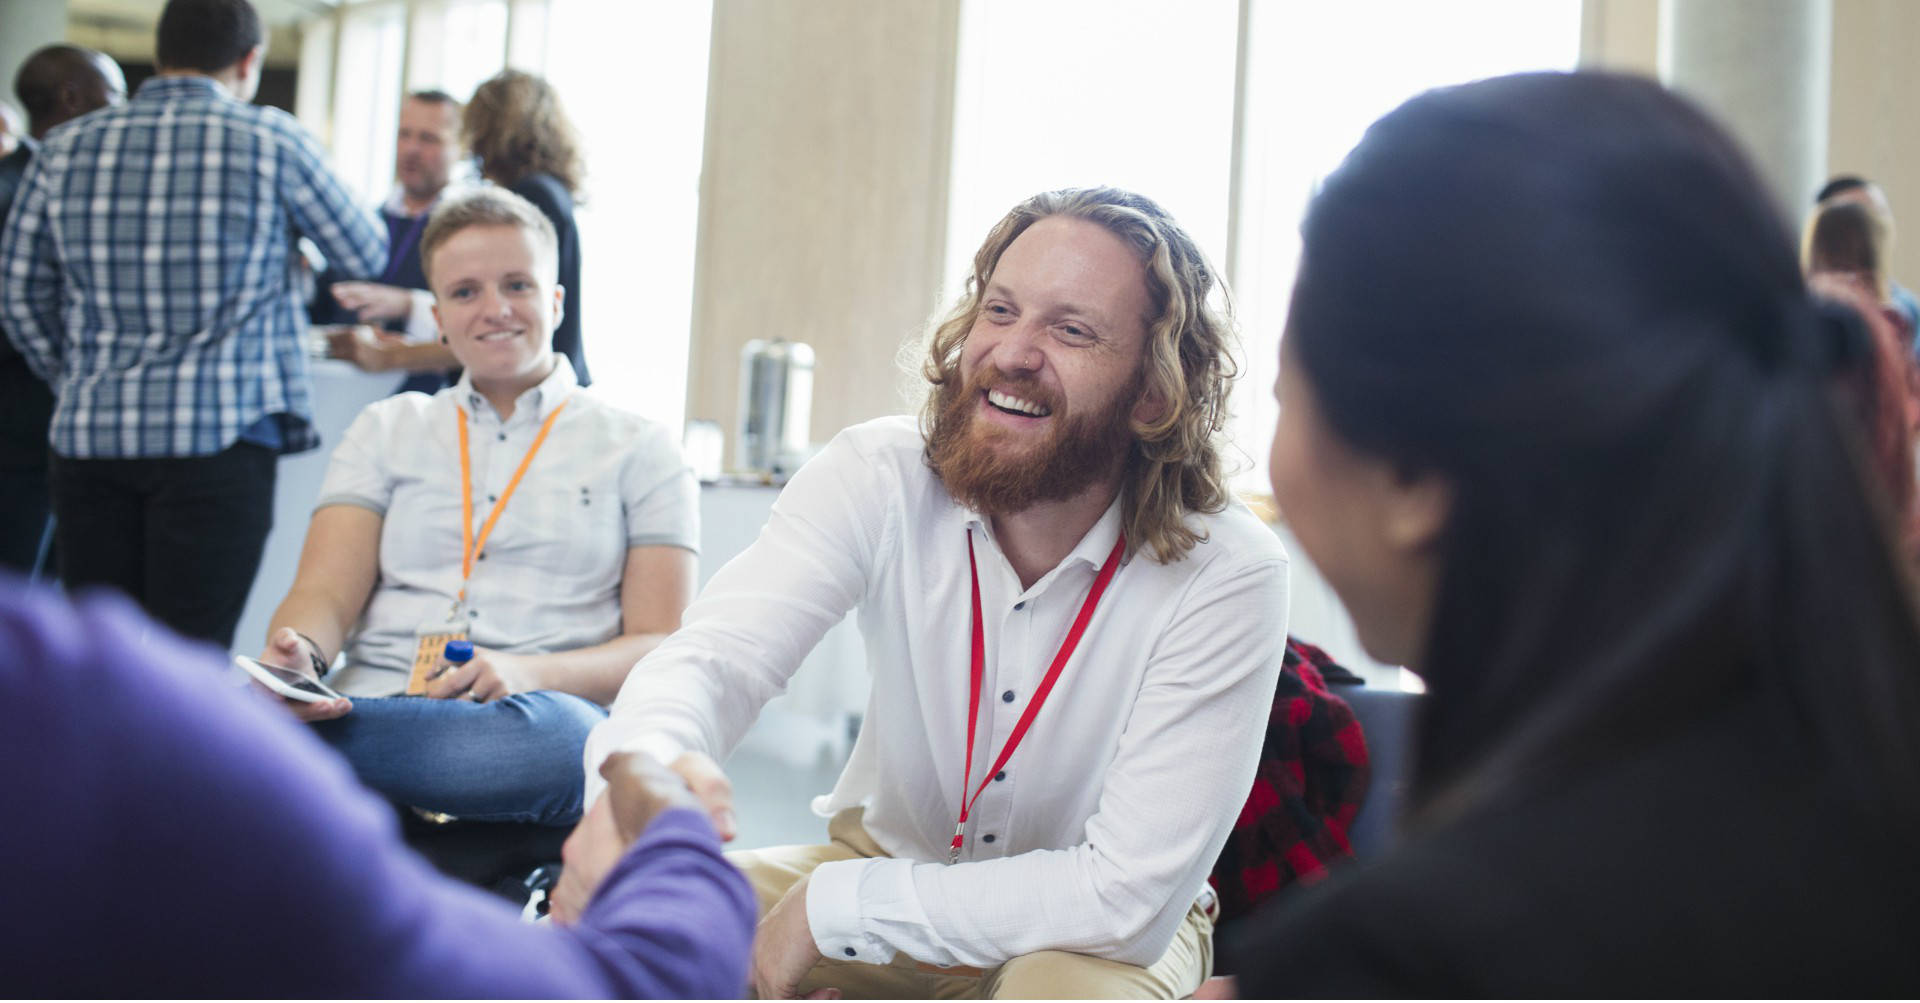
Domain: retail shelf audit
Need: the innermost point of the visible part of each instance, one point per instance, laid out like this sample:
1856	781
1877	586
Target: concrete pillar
1764	69
823	199
26	25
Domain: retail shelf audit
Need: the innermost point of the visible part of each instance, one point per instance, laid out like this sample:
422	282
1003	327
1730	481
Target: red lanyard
1039	695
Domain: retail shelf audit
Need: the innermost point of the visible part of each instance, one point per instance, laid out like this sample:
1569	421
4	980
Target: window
1317	75
366	96
634	80
1067	93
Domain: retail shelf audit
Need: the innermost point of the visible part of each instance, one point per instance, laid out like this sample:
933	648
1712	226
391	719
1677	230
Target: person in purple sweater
166	835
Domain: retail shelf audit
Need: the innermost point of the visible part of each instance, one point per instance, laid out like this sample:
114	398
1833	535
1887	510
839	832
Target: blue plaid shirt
146	272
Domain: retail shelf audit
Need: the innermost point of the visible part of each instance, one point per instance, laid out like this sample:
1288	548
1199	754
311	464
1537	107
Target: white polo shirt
1115	805
549	580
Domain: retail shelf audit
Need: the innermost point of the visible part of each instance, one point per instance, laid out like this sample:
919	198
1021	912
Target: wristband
320	665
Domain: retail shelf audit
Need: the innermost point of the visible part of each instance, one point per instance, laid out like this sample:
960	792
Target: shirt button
503	437
988	838
851	952
1020	605
1006	697
481	556
1002	775
493	498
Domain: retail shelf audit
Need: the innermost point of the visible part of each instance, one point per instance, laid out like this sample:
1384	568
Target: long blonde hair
1174	467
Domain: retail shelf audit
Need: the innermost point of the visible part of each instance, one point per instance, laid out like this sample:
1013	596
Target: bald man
56	84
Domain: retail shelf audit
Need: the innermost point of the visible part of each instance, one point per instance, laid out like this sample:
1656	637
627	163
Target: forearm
391	355
319	618
591	673
673	919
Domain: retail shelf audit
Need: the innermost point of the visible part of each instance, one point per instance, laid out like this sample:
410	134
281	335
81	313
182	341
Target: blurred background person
523	141
176	388
1848	238
1882	388
57	84
13	128
1852	188
398	306
1606	499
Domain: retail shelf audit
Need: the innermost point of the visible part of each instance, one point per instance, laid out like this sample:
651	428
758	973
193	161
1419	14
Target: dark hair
1839	184
433	95
42	74
1848	238
206	35
1597	335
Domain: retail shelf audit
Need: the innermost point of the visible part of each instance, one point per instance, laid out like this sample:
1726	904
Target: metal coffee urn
776	405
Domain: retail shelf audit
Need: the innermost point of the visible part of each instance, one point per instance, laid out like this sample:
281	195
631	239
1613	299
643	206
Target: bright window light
1066	93
633	77
1317	75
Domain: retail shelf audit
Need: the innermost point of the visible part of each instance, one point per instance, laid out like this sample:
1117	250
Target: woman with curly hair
525	143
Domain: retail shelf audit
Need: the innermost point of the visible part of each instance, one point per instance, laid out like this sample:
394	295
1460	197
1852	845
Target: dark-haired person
57	84
1851	239
1851	188
1597	484
581	522
397	302
146	279
524	142
1074	633
1883	392
177	839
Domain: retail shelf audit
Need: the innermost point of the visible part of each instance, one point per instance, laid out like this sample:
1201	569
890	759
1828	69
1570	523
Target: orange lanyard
1039	696
471	544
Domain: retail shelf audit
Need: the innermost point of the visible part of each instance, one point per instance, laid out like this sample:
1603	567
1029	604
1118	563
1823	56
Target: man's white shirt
1115	805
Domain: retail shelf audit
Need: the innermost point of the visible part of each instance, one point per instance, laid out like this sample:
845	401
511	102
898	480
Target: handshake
639	789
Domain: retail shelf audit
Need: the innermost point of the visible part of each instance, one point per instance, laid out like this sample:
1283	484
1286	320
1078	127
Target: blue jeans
517	759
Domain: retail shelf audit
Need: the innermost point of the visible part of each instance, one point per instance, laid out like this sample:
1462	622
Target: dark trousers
23	517
181	536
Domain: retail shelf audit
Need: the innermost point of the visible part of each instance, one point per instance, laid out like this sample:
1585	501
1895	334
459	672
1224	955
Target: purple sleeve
170	835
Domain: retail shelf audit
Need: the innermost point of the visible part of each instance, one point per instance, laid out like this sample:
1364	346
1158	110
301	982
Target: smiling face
1050	373
497	303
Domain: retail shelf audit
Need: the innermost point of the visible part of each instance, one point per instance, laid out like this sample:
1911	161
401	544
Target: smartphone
286	682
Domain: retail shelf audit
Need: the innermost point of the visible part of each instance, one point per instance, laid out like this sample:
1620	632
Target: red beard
981	470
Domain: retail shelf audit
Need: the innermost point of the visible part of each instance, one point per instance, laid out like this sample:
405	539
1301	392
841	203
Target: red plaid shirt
1313	775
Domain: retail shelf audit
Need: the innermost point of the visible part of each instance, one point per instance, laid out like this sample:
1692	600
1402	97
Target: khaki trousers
1042	975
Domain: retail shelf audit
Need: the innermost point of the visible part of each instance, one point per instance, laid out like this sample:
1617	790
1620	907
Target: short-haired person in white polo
1073	630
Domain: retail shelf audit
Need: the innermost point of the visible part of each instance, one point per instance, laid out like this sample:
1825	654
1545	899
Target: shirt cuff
660	746
421	328
833	914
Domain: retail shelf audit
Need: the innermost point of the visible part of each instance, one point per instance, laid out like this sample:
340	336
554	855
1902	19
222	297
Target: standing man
1856	189
1073	630
399	303
144	275
57	84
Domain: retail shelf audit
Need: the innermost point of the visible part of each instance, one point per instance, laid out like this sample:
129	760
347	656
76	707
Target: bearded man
1073	631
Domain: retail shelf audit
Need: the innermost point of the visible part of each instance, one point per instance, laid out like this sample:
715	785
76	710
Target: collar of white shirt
1091	552
537	401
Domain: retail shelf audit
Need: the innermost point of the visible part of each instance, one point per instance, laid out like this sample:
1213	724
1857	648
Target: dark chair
497	856
1386	719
